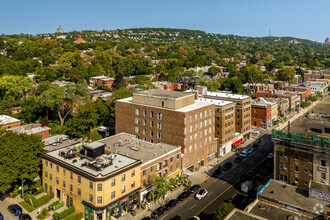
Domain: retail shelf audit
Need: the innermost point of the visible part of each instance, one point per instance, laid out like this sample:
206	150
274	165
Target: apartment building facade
263	113
304	91
291	96
9	122
170	117
101	186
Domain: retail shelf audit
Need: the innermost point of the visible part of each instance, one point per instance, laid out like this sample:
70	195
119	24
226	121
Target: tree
160	186
231	84
253	74
285	74
63	99
212	71
223	210
15	86
95	135
20	159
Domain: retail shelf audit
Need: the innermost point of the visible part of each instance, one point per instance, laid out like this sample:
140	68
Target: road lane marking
223	183
210	193
193	206
227	189
234	195
208	177
214	180
163	217
251	161
184	202
241	170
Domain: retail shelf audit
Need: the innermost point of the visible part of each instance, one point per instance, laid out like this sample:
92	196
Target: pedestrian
39	211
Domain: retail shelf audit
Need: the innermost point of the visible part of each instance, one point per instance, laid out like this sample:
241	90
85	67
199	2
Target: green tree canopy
286	74
223	210
15	86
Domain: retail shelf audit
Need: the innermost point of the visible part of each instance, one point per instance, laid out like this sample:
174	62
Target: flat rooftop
273	213
291	195
322	108
320	186
187	108
59	141
227	95
128	144
217	102
118	162
29	129
163	94
5	119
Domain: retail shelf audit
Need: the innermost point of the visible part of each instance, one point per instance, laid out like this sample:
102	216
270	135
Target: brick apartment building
101	80
224	125
157	158
242	110
31	129
259	87
322	74
167	85
263	113
9	122
302	156
302	90
170	117
292	96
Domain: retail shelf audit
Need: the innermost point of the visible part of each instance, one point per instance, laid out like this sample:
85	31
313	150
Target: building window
63	184
99	200
90	198
323	175
137	129
159	125
144	131
144	172
57	169
159	116
137	121
171	159
133	185
79	192
151	133
57	180
151	114
50	176
90	185
99	187
177	165
190	118
51	166
177	156
71	188
323	163
113	182
46	188
123	190
46	175
64	172
123	178
296	169
71	176
195	117
144	113
296	156
79	179
133	173
152	169
159	135
46	164
137	111
165	163
171	168
113	194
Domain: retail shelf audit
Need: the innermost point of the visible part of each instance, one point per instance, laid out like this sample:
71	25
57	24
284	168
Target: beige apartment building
100	185
242	111
171	117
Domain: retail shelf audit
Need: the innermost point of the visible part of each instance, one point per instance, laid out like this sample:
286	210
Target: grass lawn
26	206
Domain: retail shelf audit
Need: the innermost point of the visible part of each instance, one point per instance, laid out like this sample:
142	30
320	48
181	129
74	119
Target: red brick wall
260	114
12	125
43	134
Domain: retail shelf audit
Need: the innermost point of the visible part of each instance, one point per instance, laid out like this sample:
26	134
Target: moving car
227	166
238	159
159	211
183	195
255	131
194	188
24	217
244	153
15	209
201	194
217	172
270	155
172	203
146	218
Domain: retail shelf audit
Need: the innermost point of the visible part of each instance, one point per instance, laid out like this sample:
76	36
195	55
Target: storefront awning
237	142
174	174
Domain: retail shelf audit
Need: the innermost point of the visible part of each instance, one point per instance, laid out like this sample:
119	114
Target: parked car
244	153
183	195
249	151
194	188
146	218
217	172
15	209
24	217
238	159
270	155
158	212
1	216
172	203
201	194
255	131
194	218
176	218
255	146
244	177
227	166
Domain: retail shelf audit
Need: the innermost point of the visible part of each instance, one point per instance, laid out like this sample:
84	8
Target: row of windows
151	132
200	115
151	123
144	113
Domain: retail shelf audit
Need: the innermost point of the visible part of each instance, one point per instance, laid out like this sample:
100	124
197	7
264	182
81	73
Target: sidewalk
198	177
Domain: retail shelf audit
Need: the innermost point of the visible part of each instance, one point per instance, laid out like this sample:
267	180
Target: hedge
64	214
36	202
78	216
15	194
26	206
57	206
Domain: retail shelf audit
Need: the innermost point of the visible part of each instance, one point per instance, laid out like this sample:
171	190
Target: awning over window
237	142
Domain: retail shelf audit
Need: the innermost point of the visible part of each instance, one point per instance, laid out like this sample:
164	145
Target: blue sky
309	19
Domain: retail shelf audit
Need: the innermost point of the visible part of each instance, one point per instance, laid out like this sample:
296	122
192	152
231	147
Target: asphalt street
226	186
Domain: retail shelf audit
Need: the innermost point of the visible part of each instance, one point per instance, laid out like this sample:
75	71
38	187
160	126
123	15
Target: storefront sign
280	149
98	211
124	200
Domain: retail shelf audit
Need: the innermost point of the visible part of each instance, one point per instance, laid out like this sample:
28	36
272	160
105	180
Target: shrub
27	199
64	214
26	206
41	216
15	194
75	217
40	189
58	206
41	201
52	195
44	211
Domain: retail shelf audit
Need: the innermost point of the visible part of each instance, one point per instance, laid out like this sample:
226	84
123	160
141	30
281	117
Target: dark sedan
183	195
15	209
176	218
146	218
24	217
227	166
172	203
158	212
194	188
238	159
217	172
